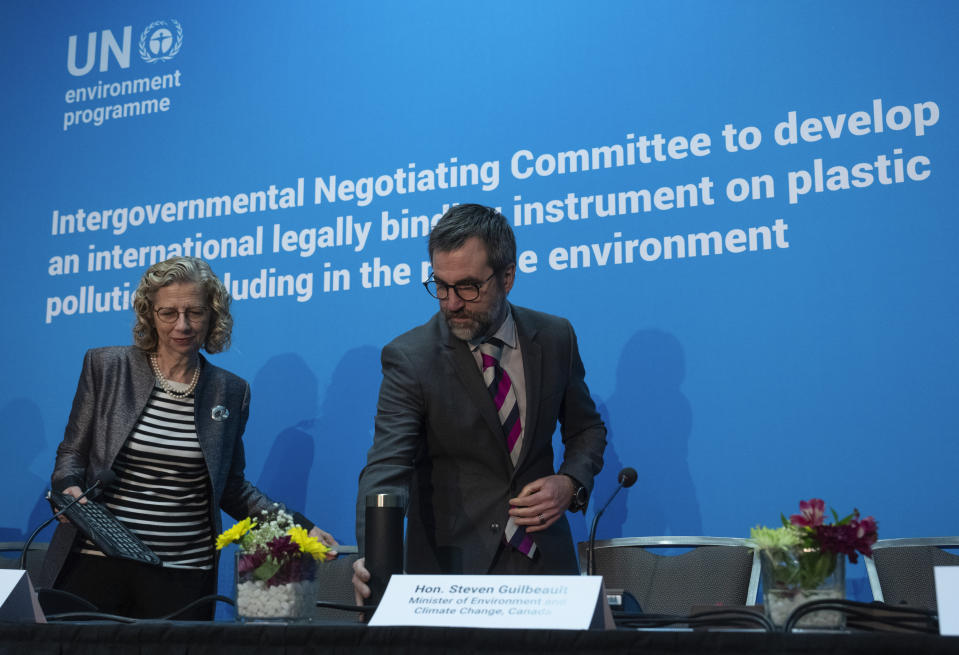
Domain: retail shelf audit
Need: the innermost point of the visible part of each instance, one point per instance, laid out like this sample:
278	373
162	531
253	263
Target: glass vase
285	597
793	578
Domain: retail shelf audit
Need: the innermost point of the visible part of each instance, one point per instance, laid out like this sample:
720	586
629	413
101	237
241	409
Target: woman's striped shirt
162	489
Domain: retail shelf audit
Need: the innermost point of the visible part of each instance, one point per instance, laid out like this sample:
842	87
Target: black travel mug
384	541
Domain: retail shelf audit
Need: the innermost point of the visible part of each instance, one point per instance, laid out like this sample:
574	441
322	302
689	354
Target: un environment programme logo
96	102
158	43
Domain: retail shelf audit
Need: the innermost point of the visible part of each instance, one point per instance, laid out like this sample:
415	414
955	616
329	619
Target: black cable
733	615
903	618
365	609
198	601
87	615
729	617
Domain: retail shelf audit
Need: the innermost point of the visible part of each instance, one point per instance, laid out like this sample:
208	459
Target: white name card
550	602
947	599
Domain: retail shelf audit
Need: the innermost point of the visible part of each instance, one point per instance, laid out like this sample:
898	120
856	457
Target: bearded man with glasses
466	412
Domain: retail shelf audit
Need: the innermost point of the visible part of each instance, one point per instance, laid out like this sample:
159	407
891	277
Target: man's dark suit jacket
439	443
115	385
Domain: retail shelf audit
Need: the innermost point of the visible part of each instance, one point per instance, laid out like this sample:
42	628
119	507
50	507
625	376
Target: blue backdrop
745	208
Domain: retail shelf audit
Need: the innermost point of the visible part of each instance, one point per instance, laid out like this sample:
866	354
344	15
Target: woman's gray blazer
115	385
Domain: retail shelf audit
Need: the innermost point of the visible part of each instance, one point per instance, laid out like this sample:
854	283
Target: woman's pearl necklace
167	385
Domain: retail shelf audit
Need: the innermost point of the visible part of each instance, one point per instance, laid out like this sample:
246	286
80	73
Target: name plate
947	599
548	602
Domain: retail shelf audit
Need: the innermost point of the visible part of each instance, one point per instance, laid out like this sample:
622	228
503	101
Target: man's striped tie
501	389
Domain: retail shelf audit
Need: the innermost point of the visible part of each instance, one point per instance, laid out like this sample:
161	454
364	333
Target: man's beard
478	325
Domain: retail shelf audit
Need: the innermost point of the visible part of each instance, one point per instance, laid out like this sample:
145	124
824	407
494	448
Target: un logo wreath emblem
158	42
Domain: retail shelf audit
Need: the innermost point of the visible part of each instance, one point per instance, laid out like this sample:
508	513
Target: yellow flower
308	544
234	533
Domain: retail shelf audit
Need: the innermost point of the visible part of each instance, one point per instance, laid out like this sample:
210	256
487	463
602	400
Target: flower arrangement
805	547
272	550
804	560
275	565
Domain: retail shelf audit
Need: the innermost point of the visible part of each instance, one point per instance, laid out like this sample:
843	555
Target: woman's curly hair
171	271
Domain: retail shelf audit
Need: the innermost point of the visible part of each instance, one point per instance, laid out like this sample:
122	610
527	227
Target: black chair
717	571
901	570
334	584
53	601
10	556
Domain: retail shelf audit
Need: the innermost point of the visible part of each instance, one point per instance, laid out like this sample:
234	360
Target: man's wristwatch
580	497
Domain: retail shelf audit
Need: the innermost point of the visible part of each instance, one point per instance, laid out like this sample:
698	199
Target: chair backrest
717	571
901	570
334	584
10	556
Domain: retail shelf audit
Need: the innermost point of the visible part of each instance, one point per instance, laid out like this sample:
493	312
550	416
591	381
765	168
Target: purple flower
856	536
296	569
282	546
811	513
839	539
249	562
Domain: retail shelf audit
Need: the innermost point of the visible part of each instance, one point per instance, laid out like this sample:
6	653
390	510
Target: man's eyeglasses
171	314
467	291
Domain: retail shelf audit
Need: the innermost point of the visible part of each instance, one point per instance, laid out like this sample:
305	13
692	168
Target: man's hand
541	502
76	492
361	579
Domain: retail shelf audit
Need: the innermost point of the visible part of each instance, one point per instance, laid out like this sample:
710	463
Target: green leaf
267	569
844	520
815	567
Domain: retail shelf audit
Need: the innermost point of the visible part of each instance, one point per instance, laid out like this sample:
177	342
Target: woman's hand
324	537
76	492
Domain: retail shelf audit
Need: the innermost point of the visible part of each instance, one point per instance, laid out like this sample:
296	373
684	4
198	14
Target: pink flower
866	535
819	541
811	513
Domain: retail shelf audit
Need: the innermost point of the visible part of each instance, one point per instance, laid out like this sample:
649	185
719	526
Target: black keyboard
103	529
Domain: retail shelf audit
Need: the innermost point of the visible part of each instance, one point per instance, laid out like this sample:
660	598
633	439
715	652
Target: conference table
189	638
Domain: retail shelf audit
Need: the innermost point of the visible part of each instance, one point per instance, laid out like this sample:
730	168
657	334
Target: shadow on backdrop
286	399
23	424
344	433
315	461
285	393
650	420
611	523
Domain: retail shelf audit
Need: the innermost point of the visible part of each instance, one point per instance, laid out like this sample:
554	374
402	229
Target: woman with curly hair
166	427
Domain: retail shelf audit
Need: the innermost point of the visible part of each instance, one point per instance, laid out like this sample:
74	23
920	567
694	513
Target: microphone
103	480
108	477
626	478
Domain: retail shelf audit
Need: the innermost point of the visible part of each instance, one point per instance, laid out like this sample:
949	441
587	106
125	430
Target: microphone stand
626	478
26	545
592	531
